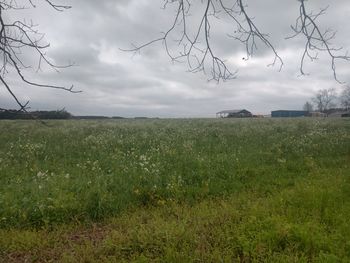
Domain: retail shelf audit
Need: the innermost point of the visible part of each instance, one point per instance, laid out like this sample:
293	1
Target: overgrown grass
176	190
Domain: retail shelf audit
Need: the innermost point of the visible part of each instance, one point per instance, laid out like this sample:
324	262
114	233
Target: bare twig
316	39
199	52
16	35
197	48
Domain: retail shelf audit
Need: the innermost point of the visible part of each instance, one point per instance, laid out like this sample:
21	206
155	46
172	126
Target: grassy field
259	190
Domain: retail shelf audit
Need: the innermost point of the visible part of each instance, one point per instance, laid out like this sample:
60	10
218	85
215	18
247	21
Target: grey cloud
149	84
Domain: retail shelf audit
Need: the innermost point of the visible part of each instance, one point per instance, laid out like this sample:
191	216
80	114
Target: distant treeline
46	115
42	115
54	115
94	117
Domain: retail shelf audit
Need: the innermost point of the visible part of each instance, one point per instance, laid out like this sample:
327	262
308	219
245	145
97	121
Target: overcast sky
117	83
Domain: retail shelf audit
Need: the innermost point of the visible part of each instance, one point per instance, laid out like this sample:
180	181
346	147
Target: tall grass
87	171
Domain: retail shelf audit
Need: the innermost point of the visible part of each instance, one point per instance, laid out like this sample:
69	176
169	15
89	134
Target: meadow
215	190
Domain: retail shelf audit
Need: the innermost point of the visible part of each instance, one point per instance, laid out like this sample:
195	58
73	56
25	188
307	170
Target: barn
242	113
288	113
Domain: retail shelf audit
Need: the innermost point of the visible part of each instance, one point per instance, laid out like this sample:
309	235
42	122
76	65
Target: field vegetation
264	190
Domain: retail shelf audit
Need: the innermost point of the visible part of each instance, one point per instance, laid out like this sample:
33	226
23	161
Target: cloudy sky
118	83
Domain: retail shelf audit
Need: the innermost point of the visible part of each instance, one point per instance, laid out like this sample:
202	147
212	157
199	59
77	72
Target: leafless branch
197	48
316	39
16	35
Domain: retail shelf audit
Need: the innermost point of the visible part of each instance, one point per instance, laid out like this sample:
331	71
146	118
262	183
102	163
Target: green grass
175	191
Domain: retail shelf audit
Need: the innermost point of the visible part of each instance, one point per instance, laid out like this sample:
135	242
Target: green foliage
176	190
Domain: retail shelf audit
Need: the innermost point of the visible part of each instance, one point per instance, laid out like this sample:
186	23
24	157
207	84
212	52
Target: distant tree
345	97
308	107
325	99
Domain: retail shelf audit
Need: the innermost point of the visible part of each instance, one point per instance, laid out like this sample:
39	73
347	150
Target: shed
288	113
242	113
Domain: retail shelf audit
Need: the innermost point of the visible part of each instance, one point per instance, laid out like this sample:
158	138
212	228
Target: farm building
339	113
288	113
234	114
346	114
316	114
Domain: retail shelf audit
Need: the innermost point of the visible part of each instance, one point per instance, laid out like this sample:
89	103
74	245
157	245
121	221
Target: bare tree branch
16	35
316	39
324	99
199	52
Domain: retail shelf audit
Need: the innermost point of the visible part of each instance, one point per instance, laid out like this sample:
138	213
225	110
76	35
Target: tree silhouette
345	97
325	99
308	107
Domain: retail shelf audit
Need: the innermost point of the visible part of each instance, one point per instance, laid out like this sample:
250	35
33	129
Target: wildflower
41	174
281	160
